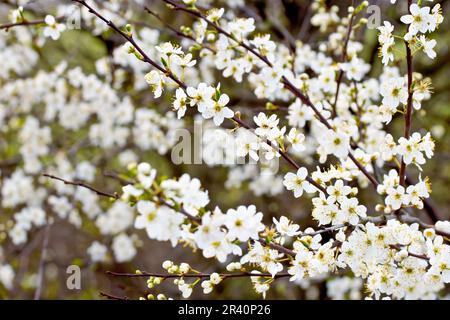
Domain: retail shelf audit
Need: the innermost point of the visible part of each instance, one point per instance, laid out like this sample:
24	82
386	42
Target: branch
26	23
84	185
41	271
180	209
112	297
409	109
196	275
343	58
415	255
177	32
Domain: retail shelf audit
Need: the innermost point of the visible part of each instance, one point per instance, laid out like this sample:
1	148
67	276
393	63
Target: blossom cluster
397	260
323	113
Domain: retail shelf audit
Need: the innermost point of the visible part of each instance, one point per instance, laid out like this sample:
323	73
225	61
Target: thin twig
112	297
41	271
409	105
177	32
195	275
343	58
26	23
84	185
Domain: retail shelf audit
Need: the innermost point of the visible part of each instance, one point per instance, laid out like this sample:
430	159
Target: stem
409	109
26	23
196	275
112	297
175	31
343	58
41	271
84	185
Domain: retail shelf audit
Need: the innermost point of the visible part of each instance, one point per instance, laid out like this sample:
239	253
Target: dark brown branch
196	275
41	271
175	31
84	185
415	255
112	297
26	23
343	58
409	106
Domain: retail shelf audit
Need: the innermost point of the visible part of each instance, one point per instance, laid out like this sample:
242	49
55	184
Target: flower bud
167	264
184	268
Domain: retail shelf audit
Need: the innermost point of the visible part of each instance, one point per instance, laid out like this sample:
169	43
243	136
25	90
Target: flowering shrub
317	131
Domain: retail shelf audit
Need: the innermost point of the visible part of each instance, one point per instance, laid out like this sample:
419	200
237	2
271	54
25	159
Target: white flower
286	227
299	114
396	197
179	103
184	61
265	124
260	285
156	82
130	191
18	234
247	143
123	248
387	51
296	139
443	226
53	29
6	275
215	14
202	96
265	257
161	223
97	252
418	192
235	69
234	266
419	20
207	286
219	111
297	182
351	212
336	143
167	264
410	149
241	27
385	32
428	46
301	265
215	278
16	15
355	69
338	192
394	92
244	223
168	49
185	288
145	174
